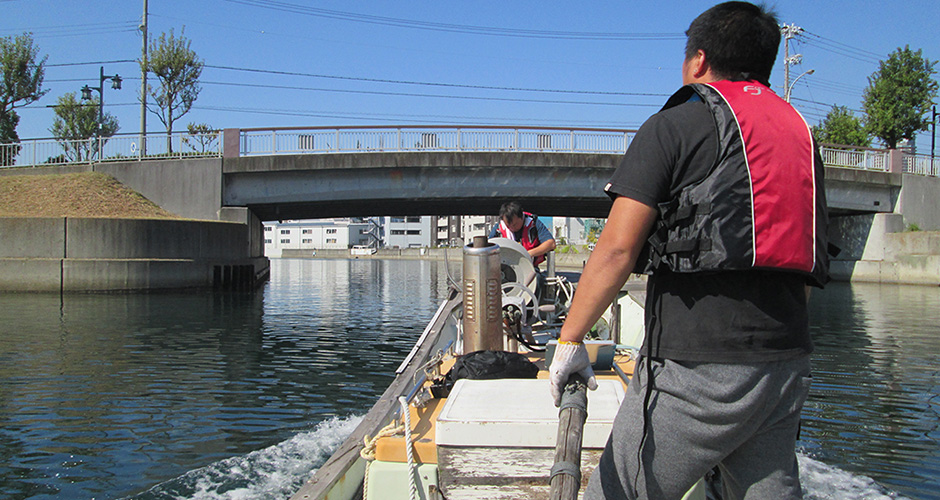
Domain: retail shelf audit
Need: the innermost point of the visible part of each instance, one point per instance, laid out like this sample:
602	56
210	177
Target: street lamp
86	93
786	95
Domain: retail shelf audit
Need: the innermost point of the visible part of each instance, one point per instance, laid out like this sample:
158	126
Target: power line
453	28
408	118
414	94
92	63
77	29
434	84
841	48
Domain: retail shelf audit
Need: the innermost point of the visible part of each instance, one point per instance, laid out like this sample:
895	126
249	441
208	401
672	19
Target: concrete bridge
284	173
277	174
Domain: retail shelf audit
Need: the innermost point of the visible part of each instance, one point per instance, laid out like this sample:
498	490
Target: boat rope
411	463
368	450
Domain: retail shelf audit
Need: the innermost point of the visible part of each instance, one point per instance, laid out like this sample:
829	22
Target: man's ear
700	65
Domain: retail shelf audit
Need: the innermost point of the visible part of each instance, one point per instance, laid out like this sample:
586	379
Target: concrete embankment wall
876	248
68	254
190	188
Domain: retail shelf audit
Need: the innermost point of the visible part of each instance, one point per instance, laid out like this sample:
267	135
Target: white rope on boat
411	464
368	449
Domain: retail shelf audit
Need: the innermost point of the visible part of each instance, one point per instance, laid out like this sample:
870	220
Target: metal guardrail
922	165
122	147
863	159
426	139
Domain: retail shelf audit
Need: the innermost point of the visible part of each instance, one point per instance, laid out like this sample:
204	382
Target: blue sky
512	63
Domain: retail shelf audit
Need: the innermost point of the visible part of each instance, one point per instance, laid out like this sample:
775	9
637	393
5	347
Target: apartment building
315	234
409	232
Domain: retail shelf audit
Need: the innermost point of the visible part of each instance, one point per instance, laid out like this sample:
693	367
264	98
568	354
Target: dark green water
220	395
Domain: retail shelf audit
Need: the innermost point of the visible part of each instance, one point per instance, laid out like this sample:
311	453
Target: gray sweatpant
744	418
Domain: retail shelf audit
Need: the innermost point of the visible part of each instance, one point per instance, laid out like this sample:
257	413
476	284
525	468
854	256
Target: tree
76	127
899	95
177	68
842	127
21	84
202	137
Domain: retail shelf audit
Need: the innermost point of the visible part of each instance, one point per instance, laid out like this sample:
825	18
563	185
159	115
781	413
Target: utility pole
143	86
933	137
789	31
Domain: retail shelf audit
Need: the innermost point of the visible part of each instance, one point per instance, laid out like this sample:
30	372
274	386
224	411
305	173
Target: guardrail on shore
413	138
120	147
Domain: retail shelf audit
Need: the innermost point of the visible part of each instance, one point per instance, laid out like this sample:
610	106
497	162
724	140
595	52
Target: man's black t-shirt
723	317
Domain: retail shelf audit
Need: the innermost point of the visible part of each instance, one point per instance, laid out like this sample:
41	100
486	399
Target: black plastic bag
486	365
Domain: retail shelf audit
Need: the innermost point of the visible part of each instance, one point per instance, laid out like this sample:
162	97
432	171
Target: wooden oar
565	480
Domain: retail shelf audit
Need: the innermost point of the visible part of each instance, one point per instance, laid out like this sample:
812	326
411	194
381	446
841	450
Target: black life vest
762	205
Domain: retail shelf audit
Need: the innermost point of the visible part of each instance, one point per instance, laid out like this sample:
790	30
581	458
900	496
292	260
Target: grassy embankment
88	194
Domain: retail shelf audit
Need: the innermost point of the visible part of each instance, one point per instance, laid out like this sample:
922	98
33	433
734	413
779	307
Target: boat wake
278	471
823	482
274	472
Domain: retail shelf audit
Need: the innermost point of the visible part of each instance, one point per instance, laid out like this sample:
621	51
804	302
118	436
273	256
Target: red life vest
762	206
530	235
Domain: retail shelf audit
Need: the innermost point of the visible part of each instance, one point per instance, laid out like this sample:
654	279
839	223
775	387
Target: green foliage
76	126
202	137
842	127
912	227
177	68
20	83
899	95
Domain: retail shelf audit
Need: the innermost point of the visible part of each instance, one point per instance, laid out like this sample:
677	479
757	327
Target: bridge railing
120	147
922	165
858	158
427	139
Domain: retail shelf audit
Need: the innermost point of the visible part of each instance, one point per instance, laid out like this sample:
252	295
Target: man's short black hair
510	210
739	39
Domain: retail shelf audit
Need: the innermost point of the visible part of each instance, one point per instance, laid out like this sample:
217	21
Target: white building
408	232
476	225
568	230
336	234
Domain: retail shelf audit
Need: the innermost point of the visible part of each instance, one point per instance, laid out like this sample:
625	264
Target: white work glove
569	358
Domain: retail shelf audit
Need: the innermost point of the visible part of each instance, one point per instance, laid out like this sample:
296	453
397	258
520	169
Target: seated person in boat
524	228
720	199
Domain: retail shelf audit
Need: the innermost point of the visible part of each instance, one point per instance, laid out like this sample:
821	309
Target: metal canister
482	297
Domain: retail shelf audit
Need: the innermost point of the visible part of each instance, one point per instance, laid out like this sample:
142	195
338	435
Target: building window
268	228
414	219
331	240
331	231
414	232
308	231
307	240
398	232
396	219
285	240
285	231
268	241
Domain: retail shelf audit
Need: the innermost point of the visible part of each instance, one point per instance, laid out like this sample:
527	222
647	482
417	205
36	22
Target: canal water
211	395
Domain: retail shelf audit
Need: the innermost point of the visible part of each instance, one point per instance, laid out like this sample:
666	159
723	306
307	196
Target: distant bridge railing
922	165
275	141
858	158
119	147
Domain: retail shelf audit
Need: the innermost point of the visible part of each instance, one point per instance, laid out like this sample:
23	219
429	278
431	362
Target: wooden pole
565	479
